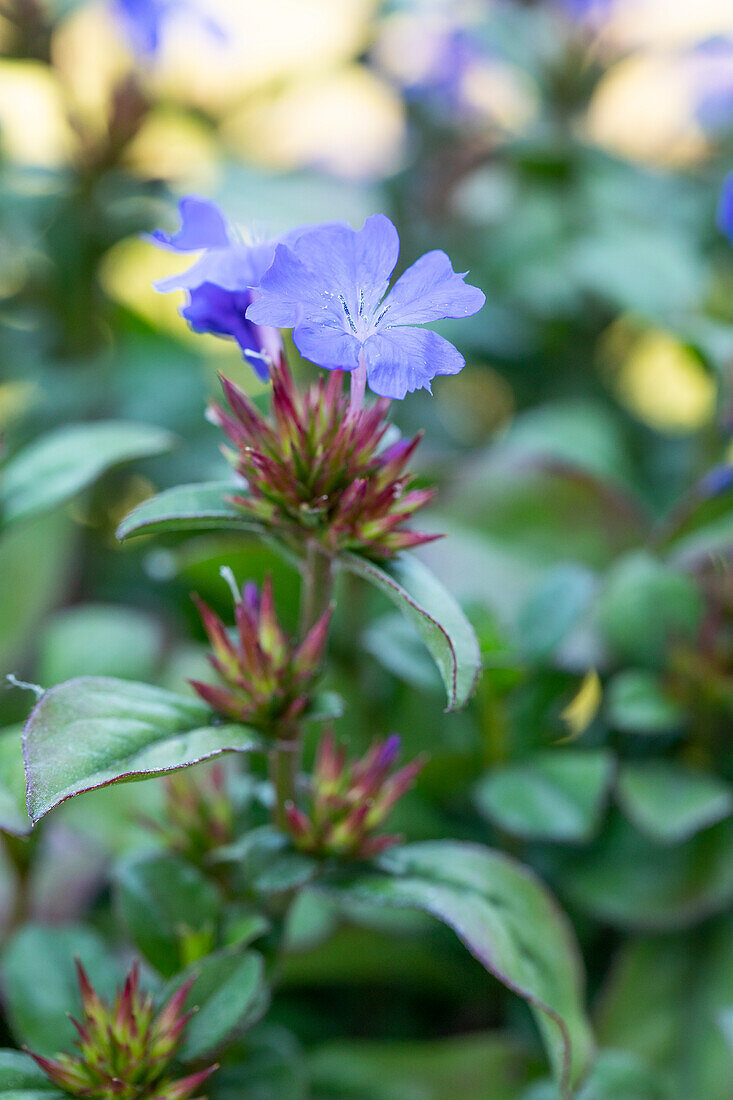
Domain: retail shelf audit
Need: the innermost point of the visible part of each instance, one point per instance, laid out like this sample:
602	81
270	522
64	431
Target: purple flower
456	52
725	208
220	282
144	20
587	9
712	78
329	286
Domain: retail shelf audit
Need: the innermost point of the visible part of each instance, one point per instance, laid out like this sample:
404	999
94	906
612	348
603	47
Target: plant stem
284	761
358	386
317	587
19	851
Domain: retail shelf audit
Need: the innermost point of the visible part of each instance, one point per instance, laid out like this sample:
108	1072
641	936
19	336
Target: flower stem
358	386
317	586
284	761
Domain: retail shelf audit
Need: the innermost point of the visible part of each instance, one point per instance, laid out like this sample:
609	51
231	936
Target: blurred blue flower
456	53
587	9
716	481
329	286
712	78
725	208
144	20
220	282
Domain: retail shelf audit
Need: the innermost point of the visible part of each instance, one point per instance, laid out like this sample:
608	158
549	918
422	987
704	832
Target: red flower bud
124	1050
267	677
316	470
348	802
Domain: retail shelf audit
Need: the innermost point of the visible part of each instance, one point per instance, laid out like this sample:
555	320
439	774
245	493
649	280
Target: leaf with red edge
204	507
435	614
507	920
96	730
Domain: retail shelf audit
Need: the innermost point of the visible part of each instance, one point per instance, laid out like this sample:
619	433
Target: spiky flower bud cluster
198	814
267	678
349	802
315	470
125	1048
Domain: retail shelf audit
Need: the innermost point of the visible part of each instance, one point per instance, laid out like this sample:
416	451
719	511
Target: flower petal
221	312
238	267
288	292
142	24
429	291
356	264
327	346
402	360
202	226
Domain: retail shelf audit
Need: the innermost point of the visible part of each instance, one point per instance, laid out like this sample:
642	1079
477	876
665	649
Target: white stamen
227	576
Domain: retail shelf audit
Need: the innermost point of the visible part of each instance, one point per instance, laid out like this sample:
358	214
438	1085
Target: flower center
360	324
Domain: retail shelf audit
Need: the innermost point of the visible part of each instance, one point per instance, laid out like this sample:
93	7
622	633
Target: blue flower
144	20
456	53
725	208
329	286
587	9
220	282
712	80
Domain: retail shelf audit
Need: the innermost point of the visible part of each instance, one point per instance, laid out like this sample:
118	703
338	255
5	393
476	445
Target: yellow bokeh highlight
502	94
668	23
16	399
177	148
127	274
268	42
583	707
665	385
349	122
643	108
34	130
91	58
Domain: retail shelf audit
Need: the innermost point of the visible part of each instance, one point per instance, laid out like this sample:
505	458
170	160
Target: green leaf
443	1069
616	1075
22	1079
548	511
555	795
702	527
507	920
170	908
13	814
325	707
438	619
99	640
93	731
61	464
203	507
646	606
32	580
272	1066
229	995
553	608
40	986
663	1002
671	803
725	1023
627	880
636	702
393	642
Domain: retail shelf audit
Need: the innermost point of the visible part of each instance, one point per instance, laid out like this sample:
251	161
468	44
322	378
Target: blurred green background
573	163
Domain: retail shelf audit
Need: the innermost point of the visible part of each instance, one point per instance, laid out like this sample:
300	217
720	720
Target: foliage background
582	458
